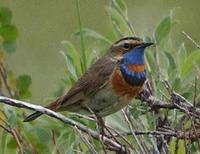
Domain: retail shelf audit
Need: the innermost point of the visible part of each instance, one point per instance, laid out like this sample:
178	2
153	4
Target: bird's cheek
119	57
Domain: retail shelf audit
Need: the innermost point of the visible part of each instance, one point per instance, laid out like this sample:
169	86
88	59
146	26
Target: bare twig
194	42
15	135
86	141
54	141
177	102
119	135
131	129
195	92
154	133
3	74
165	145
170	133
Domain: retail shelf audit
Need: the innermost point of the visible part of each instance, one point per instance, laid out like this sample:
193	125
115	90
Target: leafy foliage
8	31
178	66
23	83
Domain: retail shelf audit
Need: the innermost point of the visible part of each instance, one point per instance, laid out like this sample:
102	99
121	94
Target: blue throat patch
134	57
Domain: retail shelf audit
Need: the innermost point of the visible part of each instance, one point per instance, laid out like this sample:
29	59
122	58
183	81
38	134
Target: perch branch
21	104
190	135
177	102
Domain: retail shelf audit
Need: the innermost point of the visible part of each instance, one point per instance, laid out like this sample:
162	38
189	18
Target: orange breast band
136	68
122	88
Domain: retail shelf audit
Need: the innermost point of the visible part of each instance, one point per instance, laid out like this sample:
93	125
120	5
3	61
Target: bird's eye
126	45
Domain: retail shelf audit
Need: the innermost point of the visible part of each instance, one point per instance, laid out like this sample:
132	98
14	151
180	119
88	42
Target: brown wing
95	78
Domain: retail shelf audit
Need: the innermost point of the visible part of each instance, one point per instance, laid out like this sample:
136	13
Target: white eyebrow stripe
122	42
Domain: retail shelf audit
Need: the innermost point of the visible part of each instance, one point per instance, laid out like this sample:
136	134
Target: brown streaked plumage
102	87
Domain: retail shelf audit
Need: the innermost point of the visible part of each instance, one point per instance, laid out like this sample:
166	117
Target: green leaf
83	51
177	83
12	118
62	142
192	59
43	136
120	25
172	64
181	147
9	32
23	83
70	67
187	94
117	121
164	64
5	16
71	137
181	55
91	33
163	29
38	136
71	51
172	145
151	61
9	46
12	144
121	5
3	118
59	91
3	143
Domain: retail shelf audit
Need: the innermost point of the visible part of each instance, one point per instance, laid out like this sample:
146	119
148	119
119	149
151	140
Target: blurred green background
43	24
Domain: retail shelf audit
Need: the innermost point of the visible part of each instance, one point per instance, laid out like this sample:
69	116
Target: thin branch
177	102
3	74
194	42
16	137
153	133
119	135
54	141
86	141
20	104
195	91
131	129
14	134
170	133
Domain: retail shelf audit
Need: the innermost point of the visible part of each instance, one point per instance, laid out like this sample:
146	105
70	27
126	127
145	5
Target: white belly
105	102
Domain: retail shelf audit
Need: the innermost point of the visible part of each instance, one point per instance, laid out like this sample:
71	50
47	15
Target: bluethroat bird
109	84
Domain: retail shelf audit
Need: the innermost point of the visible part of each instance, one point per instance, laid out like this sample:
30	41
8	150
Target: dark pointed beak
144	45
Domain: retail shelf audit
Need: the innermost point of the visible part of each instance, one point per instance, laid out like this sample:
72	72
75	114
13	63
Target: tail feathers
53	106
33	116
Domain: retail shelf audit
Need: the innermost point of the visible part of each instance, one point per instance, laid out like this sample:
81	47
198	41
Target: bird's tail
33	116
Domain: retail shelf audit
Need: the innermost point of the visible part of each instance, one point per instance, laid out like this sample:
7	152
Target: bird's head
130	50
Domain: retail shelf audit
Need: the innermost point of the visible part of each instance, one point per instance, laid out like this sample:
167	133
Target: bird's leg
102	127
100	124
